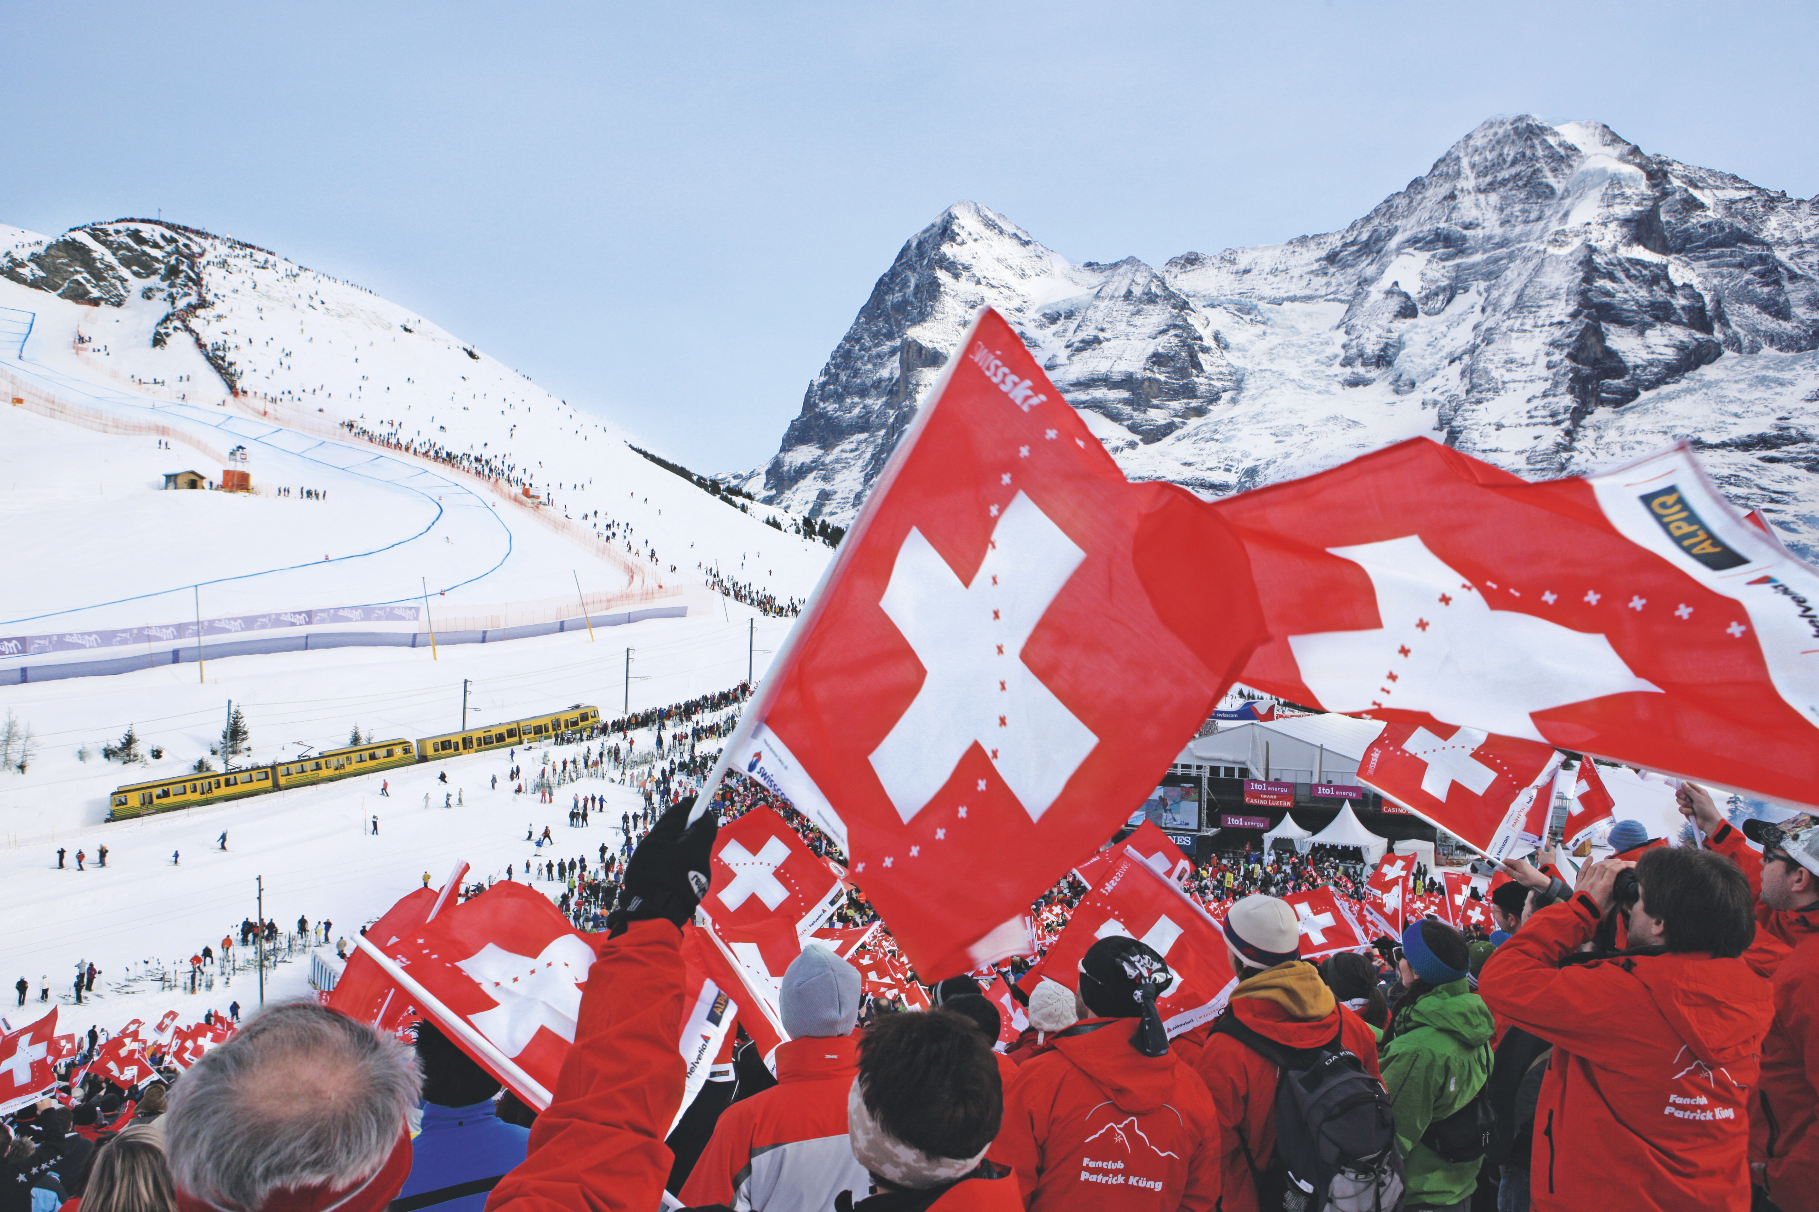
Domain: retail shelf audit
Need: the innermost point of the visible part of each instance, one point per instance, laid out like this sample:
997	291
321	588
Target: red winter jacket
1654	1059
1783	1131
1094	1125
1291	1005
600	1146
786	1147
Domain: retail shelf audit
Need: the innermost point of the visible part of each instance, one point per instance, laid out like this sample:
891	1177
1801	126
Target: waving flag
1013	1019
762	869
1326	925
364	990
502	976
25	1062
1162	855
166	1023
121	1060
63	1047
1632	614
1458	893
1591	803
1008	651
1387	891
1476	786
1137	902
190	1044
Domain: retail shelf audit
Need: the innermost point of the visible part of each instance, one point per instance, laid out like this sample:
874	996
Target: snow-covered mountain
158	318
1550	299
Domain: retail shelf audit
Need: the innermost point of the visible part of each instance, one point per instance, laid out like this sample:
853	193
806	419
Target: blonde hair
130	1175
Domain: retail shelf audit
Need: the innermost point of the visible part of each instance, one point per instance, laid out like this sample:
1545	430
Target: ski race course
98	547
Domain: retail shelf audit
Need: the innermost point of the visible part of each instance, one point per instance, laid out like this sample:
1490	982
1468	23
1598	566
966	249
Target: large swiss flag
1135	901
1477	786
1326	925
1010	648
1632	614
1387	892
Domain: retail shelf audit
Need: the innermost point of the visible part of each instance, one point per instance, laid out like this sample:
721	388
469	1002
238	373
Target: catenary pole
427	619
464	704
260	935
199	678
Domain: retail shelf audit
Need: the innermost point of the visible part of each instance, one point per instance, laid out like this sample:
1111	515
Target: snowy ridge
421	455
1552	300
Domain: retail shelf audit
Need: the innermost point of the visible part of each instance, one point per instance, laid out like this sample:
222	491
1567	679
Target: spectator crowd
1643	1037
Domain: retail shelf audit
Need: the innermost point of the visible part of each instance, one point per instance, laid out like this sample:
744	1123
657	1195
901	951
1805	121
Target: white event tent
1288	831
1346	830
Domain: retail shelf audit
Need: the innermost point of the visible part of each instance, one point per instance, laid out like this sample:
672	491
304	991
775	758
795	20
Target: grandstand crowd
1642	1038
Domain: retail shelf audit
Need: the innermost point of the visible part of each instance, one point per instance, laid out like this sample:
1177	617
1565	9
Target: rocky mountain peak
1550	298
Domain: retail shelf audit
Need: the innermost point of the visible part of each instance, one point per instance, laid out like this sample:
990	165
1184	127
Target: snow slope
149	324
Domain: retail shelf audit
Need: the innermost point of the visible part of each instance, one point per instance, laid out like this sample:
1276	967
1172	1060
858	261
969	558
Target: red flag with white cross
1475	785
761	869
1163	856
364	991
1013	1019
1326	925
1011	646
1458	894
25	1062
501	975
122	1061
1590	803
1133	900
1631	614
1387	891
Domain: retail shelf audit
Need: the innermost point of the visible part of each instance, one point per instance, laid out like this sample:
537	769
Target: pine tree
234	737
124	750
353	738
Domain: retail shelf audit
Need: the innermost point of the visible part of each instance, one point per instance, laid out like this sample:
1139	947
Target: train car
188	791
346	762
512	732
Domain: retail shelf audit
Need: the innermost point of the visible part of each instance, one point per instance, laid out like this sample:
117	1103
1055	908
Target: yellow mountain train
189	790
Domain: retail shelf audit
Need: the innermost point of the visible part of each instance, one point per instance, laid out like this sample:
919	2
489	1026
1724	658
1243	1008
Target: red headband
370	1194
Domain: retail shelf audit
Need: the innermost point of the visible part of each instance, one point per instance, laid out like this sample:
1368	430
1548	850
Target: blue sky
669	214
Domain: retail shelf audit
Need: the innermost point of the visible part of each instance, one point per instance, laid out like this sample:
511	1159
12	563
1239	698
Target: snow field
311	845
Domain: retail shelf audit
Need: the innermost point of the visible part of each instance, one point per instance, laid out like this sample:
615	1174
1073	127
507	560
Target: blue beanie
1426	964
1627	835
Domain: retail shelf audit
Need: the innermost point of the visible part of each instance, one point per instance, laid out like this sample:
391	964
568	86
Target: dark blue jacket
459	1156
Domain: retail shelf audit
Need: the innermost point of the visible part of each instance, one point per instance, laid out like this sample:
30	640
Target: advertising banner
1269	795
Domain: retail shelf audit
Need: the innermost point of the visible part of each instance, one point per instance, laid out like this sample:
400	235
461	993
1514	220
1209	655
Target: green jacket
1436	1055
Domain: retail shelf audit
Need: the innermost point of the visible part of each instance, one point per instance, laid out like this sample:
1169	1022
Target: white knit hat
1263	931
1052	1007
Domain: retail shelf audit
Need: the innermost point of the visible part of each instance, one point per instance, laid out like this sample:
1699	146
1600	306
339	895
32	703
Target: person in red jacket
1655	1049
921	1115
786	1147
1108	1119
1281	998
599	1144
1784	1136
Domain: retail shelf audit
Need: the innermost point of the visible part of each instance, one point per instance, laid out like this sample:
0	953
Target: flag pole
448	1020
766	694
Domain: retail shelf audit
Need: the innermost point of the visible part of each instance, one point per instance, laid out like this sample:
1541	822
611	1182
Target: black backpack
1335	1134
1466	1134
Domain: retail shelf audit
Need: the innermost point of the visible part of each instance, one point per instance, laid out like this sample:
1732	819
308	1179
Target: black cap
1773	834
1121	977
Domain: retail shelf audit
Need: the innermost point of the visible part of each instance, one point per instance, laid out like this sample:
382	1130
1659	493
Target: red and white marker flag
1387	891
762	869
1632	614
1326	925
1138	903
25	1062
1005	655
1591	803
1163	856
1475	785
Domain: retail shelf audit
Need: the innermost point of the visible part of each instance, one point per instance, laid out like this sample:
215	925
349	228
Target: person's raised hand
1695	802
1525	873
1599	880
667	875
